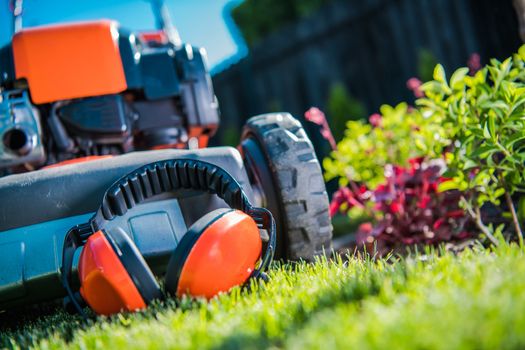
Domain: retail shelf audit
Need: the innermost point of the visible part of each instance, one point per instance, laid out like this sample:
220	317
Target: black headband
168	176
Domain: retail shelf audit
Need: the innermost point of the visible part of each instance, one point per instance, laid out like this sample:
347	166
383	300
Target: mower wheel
283	168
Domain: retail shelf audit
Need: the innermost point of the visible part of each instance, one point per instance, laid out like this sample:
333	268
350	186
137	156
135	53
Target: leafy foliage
487	111
426	61
395	136
230	136
341	107
408	208
412	303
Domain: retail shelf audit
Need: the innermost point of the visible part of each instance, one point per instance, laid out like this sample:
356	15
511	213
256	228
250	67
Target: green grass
474	300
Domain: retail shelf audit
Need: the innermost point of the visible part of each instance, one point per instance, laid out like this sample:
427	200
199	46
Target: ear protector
219	251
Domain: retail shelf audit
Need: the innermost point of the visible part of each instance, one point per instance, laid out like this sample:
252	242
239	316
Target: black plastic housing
99	117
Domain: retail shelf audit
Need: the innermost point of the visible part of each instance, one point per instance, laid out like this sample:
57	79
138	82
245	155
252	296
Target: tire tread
299	180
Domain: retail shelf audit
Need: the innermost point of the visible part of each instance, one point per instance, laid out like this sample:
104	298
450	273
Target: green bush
426	62
477	123
342	107
487	111
231	136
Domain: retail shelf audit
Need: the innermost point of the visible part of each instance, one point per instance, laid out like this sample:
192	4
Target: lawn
428	301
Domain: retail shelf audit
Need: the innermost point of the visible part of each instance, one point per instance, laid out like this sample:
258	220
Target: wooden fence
370	46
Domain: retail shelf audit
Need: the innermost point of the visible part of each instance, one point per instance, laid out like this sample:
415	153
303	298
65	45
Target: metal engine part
20	131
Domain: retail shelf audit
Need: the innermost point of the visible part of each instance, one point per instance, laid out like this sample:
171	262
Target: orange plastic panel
77	160
224	256
199	133
68	61
105	284
157	36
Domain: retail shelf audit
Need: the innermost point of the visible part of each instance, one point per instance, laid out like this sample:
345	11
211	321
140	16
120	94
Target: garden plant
439	170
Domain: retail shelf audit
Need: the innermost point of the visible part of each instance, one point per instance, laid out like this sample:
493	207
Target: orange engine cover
68	61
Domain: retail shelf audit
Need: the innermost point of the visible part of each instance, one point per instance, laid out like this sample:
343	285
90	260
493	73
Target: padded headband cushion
167	176
220	253
134	264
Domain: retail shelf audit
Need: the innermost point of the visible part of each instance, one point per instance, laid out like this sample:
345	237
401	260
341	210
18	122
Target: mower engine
93	89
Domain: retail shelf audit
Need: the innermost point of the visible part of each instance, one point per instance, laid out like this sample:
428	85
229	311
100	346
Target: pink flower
376	120
414	85
396	207
366	227
334	207
415	163
438	223
352	198
474	63
337	200
364	233
315	115
398	170
362	190
423	202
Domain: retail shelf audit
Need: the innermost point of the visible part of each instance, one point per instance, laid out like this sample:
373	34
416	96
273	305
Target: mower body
83	104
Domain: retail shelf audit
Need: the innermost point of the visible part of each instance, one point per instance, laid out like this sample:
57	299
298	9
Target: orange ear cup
105	284
222	256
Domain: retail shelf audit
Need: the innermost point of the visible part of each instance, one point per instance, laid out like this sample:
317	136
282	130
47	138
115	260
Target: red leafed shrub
408	208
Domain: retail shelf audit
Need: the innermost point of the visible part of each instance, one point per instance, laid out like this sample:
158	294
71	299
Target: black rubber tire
296	193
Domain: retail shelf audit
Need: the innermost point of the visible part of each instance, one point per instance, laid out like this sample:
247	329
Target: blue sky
200	22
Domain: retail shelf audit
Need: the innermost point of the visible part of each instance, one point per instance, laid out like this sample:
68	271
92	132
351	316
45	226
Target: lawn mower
83	104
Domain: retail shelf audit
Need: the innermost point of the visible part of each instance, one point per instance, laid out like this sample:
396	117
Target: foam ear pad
218	252
111	283
135	265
